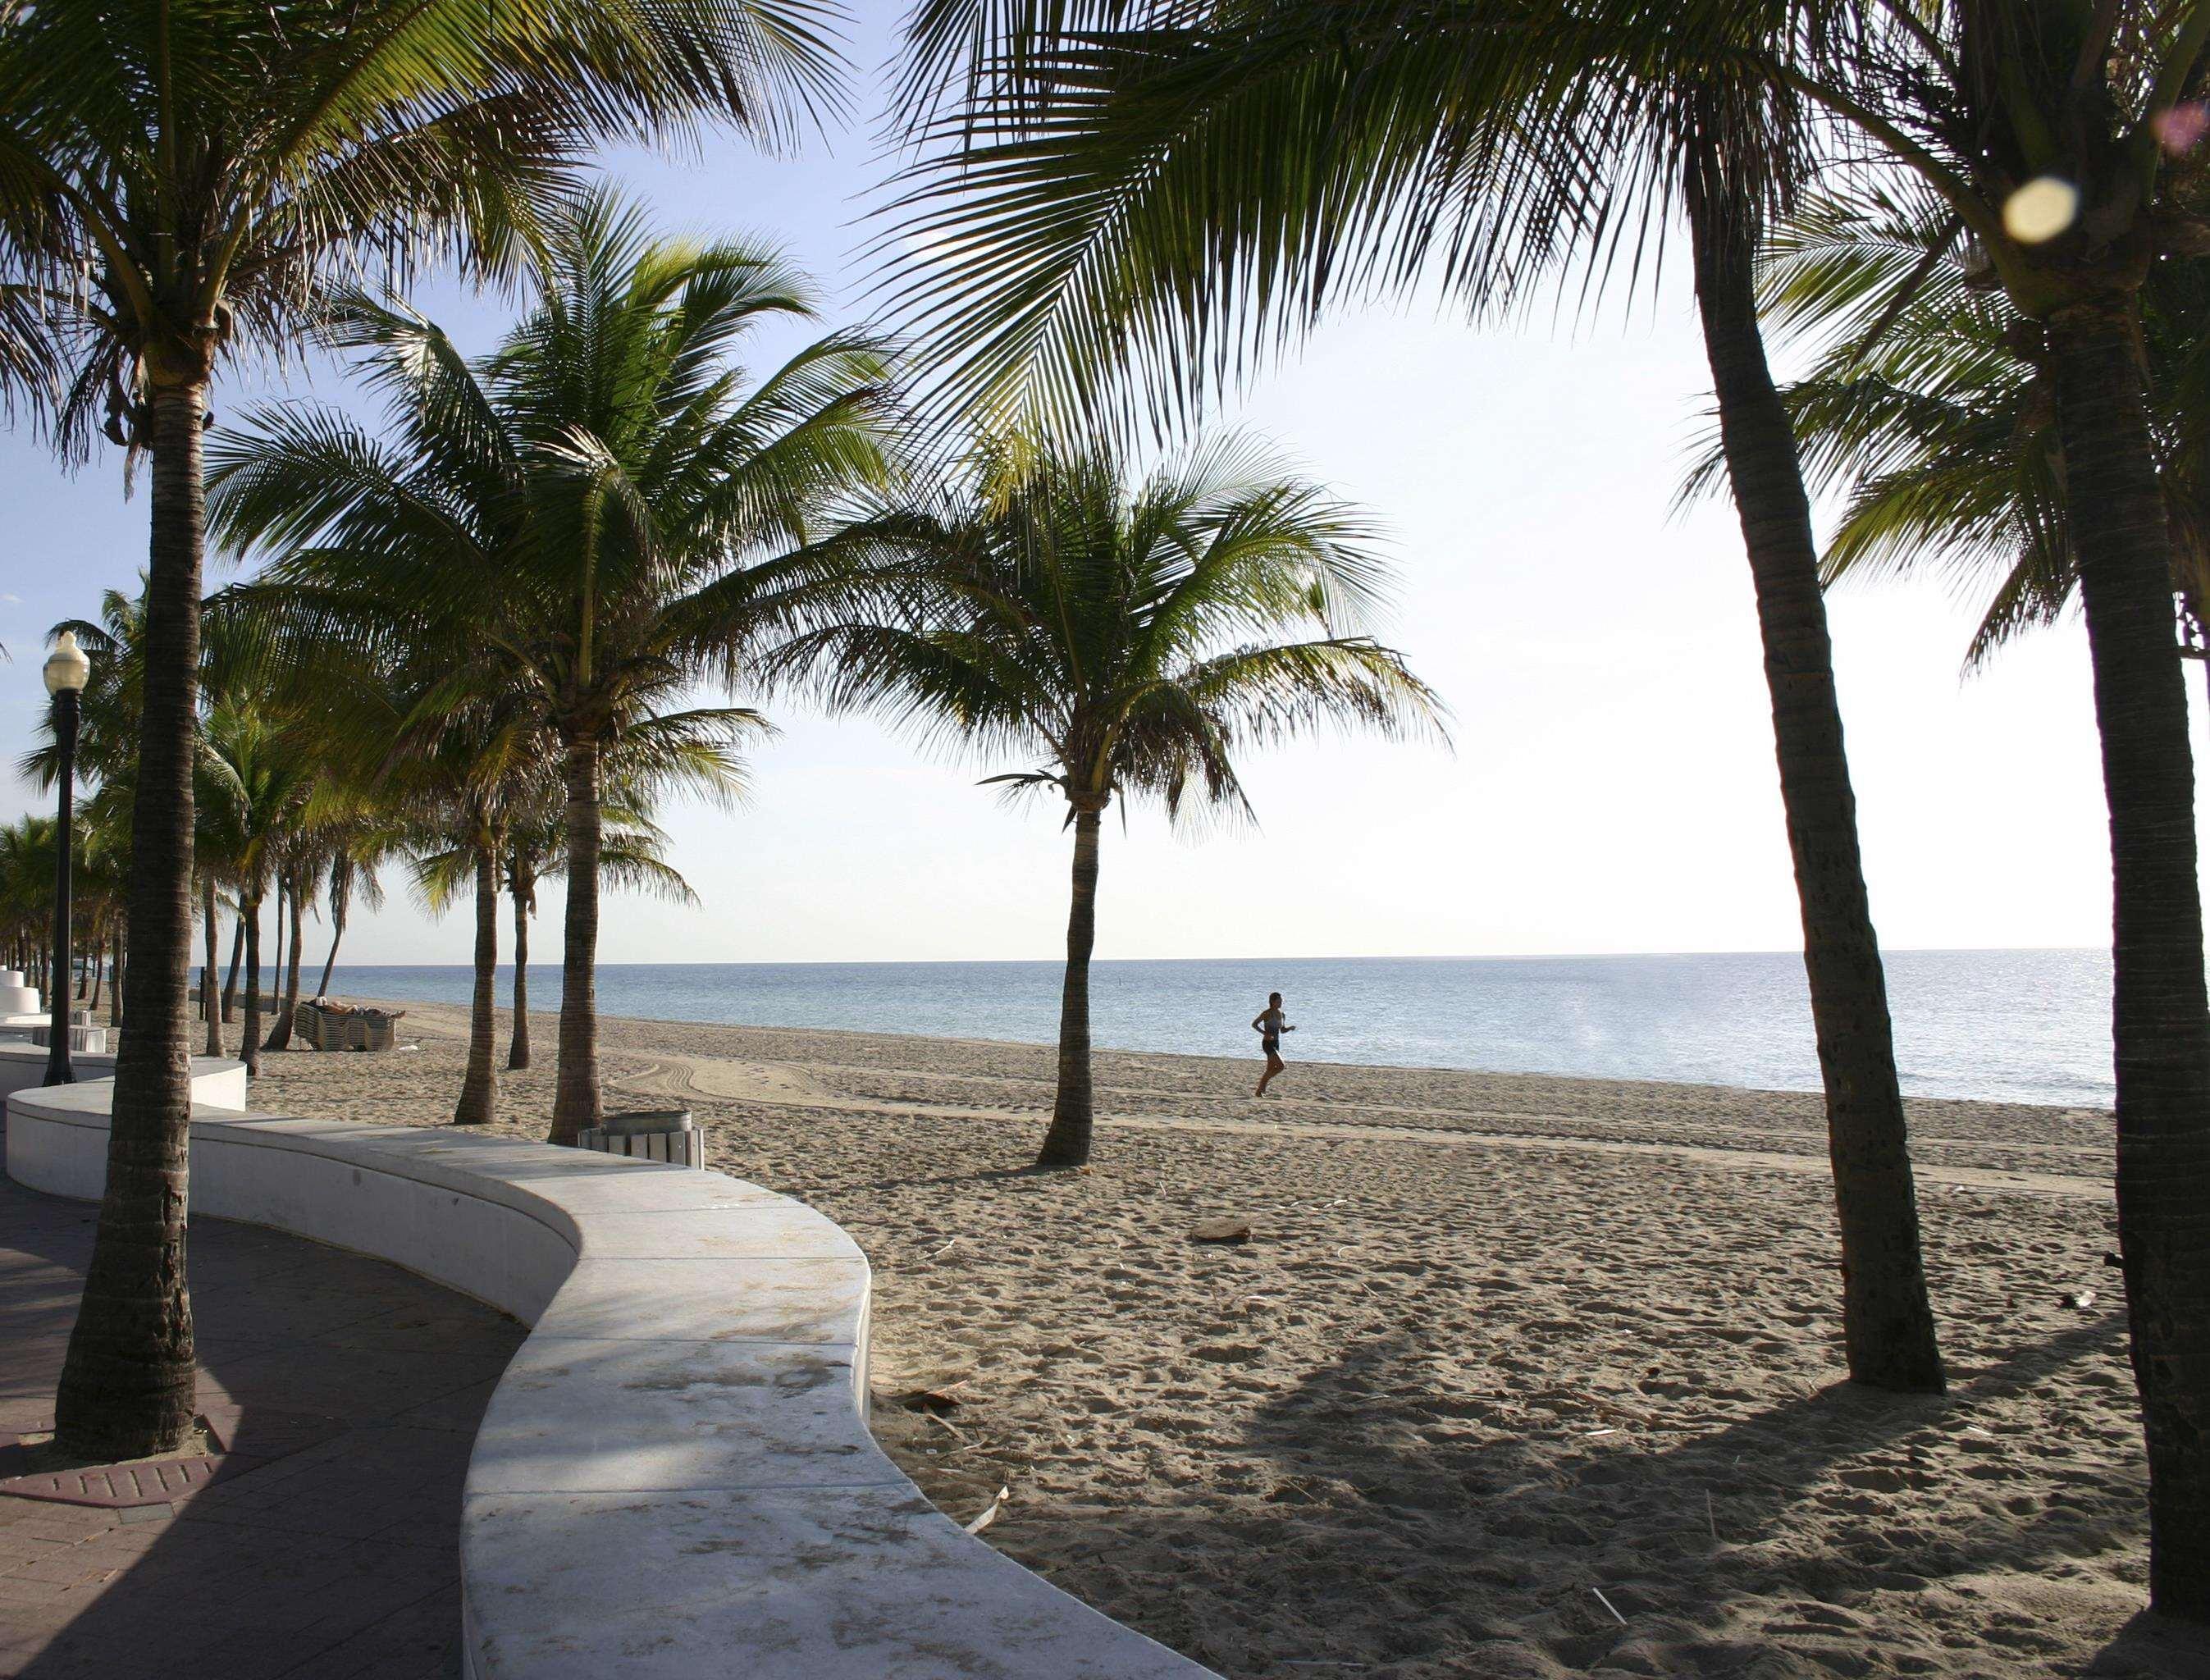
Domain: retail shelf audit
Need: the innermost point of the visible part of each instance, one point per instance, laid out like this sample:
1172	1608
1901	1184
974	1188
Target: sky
1610	786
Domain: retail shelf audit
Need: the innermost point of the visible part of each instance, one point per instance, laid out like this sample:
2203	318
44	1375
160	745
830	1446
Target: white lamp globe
67	668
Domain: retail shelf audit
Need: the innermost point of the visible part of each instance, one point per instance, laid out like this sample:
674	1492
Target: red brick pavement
336	1562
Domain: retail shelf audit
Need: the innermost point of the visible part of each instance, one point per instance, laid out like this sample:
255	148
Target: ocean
2019	1026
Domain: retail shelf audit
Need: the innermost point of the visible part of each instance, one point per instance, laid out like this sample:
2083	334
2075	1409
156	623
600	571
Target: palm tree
576	513
467	831
630	856
178	184
359	847
1931	409
531	842
1125	634
268	778
2063	141
1119	203
295	874
28	848
102	888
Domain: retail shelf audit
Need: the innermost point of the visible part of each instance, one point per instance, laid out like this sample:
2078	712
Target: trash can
648	1134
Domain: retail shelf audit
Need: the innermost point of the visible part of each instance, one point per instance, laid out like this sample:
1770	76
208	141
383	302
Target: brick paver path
336	1562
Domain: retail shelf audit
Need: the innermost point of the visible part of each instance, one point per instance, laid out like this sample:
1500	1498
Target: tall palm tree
2065	142
178	184
1126	634
579	512
1118	204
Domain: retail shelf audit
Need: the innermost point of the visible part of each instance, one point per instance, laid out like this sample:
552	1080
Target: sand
1519	1377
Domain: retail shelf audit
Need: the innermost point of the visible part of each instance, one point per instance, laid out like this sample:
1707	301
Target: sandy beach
1519	1377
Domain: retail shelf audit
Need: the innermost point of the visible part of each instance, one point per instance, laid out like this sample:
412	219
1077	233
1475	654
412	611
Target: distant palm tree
107	754
1127	634
178	184
631	855
266	777
356	846
463	826
588	515
27	861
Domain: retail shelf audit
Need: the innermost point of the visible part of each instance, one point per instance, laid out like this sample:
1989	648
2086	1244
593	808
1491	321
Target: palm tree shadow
2152	1644
348	1392
1782	1523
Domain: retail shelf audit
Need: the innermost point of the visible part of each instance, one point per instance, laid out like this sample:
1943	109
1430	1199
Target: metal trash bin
83	1040
648	1134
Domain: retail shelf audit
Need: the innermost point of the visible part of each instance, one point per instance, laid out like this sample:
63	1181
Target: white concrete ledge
674	1478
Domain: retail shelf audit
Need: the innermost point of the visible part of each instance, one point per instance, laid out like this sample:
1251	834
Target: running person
1270	1026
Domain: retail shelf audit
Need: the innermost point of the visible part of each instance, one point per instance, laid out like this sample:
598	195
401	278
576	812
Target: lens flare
2180	129
2041	209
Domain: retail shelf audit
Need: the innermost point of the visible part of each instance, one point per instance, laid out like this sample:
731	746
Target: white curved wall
674	1477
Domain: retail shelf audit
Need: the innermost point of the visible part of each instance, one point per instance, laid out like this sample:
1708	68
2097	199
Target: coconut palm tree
101	890
1119	204
631	857
269	777
469	820
27	861
178	184
1126	635
589	514
294	873
2065	143
359	846
1931	411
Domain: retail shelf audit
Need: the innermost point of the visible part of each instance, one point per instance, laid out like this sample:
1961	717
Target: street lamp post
67	671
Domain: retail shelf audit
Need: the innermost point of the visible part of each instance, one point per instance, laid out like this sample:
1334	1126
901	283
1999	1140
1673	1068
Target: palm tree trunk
99	968
210	1003
523	885
115	979
127	1386
341	901
276	968
480	1087
575	1096
1066	1144
230	982
250	1039
281	1039
2160	1015
1887	1323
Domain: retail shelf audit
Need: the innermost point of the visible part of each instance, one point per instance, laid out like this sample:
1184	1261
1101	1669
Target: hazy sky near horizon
1612	786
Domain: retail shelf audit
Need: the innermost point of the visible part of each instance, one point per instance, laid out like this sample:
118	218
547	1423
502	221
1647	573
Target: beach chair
373	1030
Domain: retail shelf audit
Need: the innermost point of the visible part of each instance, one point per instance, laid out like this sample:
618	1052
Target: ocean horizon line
2020	1025
552	959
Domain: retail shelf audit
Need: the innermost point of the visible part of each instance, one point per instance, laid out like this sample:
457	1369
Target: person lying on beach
1269	1025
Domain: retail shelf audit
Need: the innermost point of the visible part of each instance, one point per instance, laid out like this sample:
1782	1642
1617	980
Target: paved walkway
337	1562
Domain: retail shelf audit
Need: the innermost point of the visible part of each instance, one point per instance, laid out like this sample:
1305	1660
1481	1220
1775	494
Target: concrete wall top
674	1478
